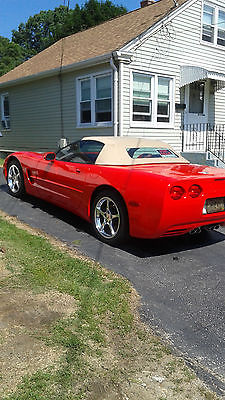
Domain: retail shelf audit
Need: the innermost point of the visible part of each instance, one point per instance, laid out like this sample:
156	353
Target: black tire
109	217
15	180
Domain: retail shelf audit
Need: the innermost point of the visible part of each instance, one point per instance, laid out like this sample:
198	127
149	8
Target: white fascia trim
68	68
134	43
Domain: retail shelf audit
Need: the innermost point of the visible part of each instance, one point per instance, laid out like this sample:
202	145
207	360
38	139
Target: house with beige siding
157	72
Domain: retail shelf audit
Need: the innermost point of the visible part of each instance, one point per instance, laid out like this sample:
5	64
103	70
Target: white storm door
196	100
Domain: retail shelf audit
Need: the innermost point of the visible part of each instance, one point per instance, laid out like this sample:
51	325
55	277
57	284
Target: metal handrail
216	144
204	137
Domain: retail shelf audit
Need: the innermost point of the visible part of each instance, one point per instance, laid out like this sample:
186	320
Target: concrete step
198	158
206	158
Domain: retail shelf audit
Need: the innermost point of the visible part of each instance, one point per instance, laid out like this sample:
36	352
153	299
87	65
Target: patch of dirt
21	308
4	272
23	313
22	355
142	368
152	385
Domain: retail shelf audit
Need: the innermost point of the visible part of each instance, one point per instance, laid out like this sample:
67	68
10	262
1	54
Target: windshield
83	151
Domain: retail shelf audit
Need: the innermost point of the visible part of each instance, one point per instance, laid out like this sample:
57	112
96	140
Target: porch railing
204	138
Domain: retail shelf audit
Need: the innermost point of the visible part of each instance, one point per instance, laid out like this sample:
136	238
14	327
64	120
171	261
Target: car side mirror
49	156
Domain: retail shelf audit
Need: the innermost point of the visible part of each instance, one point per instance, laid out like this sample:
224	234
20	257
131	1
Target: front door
196	116
196	100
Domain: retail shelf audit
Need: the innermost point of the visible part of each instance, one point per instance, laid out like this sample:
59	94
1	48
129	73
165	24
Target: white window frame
150	99
218	27
3	117
216	8
92	78
154	123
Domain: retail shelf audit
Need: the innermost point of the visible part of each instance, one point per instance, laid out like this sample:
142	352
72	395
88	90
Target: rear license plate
215	205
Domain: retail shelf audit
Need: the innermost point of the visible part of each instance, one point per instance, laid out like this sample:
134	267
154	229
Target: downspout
121	59
62	141
121	98
115	97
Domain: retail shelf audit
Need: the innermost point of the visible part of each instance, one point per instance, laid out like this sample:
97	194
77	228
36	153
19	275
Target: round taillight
195	191
176	192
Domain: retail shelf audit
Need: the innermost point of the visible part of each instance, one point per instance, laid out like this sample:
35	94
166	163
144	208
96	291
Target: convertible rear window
150	152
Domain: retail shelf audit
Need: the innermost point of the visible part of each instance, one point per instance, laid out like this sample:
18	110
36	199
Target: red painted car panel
145	190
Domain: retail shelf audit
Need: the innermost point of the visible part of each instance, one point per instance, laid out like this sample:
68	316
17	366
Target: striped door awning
189	74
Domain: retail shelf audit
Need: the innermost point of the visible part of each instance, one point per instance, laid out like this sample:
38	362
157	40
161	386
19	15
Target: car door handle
78	170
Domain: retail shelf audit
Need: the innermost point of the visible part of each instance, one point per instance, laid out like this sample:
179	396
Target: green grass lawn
1	162
103	346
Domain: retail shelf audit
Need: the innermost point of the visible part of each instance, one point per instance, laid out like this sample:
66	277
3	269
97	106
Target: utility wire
60	80
61	89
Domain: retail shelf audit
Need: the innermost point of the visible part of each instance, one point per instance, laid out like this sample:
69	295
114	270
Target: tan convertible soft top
115	151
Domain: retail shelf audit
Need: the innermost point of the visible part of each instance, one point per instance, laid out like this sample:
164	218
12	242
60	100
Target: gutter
56	71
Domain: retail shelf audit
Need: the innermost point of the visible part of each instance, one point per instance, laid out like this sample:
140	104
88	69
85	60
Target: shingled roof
100	40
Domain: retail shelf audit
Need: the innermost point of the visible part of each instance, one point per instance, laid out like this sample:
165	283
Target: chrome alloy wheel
14	179
107	218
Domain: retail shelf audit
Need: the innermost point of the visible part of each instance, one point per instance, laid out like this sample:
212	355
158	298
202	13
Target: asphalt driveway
181	280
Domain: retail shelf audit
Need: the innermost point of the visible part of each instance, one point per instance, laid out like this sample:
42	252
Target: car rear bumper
190	228
173	219
178	229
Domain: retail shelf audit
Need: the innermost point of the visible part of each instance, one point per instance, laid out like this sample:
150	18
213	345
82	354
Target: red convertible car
123	186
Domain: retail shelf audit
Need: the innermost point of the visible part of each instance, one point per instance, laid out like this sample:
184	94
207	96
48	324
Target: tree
11	55
45	28
41	30
92	13
95	12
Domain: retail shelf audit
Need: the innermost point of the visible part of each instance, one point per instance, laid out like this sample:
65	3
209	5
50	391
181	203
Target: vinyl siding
34	116
177	43
38	118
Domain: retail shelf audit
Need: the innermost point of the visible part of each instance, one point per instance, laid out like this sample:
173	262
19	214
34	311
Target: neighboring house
157	72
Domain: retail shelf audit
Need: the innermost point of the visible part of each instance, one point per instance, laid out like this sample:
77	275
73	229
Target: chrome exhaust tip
211	227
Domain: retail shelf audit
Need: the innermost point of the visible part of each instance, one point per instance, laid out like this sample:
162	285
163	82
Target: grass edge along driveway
2	162
97	350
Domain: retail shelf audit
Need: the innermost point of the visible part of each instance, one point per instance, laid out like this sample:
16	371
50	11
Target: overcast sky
13	12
